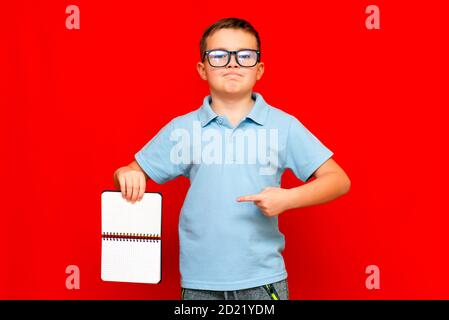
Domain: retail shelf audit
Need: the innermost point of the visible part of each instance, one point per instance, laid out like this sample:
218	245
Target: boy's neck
232	106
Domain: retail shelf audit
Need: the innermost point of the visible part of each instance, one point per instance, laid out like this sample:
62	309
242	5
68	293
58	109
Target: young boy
234	149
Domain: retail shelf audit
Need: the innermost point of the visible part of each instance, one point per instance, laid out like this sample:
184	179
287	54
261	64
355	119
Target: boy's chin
234	91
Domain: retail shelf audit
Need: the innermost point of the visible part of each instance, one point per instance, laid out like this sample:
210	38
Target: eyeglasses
221	57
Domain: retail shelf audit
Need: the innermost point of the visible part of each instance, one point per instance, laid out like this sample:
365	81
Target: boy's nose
233	61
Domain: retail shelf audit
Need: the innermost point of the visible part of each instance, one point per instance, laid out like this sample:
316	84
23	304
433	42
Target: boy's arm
136	166
330	183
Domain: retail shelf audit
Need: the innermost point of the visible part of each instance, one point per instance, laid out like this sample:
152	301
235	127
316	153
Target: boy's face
219	79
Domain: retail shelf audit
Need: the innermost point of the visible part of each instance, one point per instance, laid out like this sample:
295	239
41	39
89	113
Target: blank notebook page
131	245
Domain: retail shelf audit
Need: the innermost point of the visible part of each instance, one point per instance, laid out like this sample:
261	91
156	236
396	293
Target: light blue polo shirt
225	244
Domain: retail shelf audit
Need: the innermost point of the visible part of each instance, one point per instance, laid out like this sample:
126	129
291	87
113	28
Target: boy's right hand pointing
132	183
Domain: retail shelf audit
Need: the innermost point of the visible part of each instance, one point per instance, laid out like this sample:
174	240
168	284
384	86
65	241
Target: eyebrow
232	50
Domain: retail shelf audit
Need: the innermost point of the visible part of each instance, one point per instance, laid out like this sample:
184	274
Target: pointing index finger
252	197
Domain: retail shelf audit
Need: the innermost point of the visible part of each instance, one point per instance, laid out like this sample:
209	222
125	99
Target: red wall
77	104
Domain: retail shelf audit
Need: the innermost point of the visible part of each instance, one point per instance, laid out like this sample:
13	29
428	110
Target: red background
78	104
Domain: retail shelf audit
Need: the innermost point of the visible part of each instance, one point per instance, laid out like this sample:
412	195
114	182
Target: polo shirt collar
258	112
206	114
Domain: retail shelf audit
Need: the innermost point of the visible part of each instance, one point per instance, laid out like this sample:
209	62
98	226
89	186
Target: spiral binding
132	237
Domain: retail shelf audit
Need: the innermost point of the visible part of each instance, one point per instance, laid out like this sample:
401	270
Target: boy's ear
260	70
201	70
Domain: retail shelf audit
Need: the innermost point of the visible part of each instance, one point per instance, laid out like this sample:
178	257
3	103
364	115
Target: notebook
131	238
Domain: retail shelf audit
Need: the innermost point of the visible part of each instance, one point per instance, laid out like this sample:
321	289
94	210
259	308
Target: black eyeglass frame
230	53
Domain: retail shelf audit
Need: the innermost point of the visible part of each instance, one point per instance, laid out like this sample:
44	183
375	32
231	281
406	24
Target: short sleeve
154	157
304	152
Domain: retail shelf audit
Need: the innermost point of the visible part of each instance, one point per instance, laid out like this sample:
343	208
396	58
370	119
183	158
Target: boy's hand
132	183
272	201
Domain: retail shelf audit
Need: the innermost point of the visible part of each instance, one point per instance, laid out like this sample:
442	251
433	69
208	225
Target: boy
234	149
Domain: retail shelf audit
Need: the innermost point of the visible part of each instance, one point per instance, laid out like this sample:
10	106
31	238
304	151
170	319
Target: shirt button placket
231	137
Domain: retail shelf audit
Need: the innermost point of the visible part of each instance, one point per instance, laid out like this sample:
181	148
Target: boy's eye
245	55
218	55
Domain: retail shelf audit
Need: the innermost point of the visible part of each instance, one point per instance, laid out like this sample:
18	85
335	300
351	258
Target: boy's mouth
232	74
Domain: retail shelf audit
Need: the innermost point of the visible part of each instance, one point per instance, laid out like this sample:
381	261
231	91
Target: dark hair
228	23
